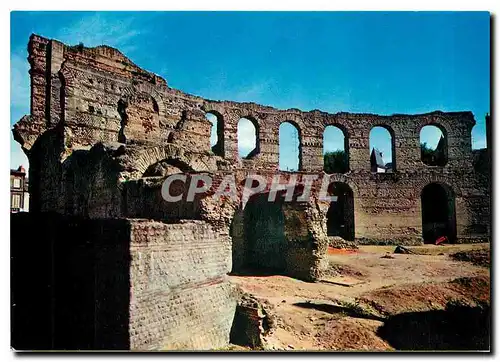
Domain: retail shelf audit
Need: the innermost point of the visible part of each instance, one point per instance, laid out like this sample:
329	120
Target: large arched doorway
264	233
340	215
438	213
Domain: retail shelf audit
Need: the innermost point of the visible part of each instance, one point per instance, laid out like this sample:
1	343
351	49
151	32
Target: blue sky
377	62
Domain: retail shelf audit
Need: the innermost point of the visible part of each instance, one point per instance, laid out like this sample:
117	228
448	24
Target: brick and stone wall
83	96
180	295
103	134
119	284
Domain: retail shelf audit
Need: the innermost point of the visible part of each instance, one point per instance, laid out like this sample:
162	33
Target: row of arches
433	145
247	134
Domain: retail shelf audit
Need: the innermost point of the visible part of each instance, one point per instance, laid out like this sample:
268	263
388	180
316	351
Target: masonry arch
433	145
290	147
141	161
248	137
335	149
167	167
145	88
216	133
438	212
382	149
340	214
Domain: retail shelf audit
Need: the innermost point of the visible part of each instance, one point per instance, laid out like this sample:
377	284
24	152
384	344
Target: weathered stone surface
103	134
254	320
119	284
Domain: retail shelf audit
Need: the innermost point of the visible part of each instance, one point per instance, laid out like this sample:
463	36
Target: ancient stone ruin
103	134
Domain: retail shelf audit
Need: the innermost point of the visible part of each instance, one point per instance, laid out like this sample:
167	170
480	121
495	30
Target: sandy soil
365	289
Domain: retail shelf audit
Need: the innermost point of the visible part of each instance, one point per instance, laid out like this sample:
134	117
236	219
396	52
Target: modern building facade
19	196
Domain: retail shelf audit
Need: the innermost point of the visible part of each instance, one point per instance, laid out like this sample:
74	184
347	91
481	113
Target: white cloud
99	29
19	81
92	30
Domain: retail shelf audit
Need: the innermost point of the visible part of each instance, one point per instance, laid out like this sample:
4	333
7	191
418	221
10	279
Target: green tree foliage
432	157
336	162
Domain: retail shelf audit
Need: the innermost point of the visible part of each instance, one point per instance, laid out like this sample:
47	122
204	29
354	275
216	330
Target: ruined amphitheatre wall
101	96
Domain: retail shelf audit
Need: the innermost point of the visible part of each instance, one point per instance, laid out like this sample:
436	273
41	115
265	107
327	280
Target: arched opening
248	138
289	147
166	167
139	118
479	137
382	150
340	215
438	213
264	233
433	146
335	150
216	133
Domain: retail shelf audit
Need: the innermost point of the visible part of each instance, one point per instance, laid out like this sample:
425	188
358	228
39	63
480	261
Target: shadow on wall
70	285
276	238
438	213
340	215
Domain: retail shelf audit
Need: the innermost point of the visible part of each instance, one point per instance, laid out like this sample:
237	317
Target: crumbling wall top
99	95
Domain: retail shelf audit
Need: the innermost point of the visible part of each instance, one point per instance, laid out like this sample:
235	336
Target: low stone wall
254	320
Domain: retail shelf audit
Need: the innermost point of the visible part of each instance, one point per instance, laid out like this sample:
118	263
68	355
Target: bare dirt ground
374	299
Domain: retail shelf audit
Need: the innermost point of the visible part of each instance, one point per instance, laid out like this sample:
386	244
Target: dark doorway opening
340	215
264	232
438	213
